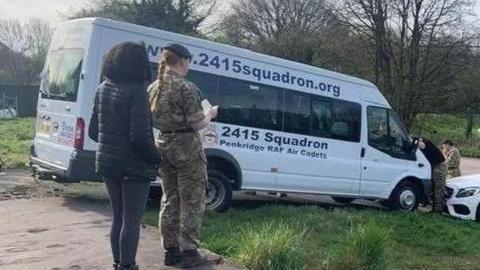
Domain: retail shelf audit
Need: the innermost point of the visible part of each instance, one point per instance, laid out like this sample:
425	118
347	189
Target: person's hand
421	145
213	112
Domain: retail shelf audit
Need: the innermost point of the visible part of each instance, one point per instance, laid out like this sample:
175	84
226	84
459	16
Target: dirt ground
42	229
470	166
43	226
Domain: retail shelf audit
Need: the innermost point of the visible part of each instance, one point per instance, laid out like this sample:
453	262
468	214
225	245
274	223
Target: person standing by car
453	157
126	155
439	172
178	115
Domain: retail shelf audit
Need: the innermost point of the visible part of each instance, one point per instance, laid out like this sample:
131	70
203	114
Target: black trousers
128	198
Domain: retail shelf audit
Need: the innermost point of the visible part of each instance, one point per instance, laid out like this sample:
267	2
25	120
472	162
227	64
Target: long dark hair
127	62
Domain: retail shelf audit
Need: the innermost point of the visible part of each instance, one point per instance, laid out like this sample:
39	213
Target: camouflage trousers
439	174
452	173
184	178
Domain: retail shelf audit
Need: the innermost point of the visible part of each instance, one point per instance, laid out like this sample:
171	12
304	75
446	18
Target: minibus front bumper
81	167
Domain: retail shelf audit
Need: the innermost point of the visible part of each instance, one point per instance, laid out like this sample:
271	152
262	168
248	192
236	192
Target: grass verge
342	238
16	137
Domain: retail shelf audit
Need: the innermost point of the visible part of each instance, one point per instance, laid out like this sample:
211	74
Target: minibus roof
224	48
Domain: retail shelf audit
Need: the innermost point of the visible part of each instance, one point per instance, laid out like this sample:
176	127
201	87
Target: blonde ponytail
167	58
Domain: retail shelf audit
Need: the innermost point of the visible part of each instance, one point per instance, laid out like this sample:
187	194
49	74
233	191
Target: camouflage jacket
178	102
453	159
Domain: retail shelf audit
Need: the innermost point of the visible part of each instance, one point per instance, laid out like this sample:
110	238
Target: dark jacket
121	123
432	153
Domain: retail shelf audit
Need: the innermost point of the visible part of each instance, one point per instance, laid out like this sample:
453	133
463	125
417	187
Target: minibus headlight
468	192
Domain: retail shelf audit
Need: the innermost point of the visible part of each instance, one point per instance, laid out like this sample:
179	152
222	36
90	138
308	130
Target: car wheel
343	200
219	191
405	197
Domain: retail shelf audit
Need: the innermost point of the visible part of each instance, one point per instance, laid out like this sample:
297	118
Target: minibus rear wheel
219	191
405	197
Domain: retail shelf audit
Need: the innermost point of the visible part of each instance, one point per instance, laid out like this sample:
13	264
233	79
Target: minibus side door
328	162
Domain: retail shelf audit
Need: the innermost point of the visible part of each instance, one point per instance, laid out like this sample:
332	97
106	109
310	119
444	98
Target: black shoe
128	267
191	258
172	256
115	266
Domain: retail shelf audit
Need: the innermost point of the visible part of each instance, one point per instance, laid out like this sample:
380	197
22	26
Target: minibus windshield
61	74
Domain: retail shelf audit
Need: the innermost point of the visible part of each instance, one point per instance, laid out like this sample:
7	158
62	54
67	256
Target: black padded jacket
121	123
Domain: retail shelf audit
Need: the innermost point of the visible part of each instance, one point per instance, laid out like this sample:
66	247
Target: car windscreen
61	74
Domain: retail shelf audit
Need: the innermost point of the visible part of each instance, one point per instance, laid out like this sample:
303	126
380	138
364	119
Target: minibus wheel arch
226	163
405	186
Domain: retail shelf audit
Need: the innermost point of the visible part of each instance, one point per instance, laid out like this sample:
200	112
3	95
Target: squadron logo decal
210	137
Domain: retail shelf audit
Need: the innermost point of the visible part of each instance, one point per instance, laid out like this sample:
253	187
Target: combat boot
191	258
172	256
129	267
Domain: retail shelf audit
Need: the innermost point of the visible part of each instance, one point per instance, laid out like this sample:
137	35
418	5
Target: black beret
178	50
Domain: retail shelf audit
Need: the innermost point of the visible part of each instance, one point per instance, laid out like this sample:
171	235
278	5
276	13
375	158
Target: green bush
438	127
273	246
365	248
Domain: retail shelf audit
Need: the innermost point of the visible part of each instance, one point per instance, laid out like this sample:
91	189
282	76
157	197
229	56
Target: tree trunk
469	127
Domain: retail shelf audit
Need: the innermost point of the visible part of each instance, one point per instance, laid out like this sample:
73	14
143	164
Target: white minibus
282	126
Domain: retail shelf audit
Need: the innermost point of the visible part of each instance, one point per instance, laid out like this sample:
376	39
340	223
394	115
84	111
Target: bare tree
464	99
416	46
284	28
182	16
30	40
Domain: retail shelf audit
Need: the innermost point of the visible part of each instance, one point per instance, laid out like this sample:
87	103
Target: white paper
206	105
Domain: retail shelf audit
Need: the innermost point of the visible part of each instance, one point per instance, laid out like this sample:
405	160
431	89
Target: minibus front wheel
219	191
405	197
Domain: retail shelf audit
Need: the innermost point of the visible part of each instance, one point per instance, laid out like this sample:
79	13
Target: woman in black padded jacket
126	155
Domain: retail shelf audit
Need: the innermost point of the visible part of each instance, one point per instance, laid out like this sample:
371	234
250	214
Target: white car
463	197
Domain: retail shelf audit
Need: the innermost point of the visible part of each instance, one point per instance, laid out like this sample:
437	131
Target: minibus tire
399	198
223	191
343	200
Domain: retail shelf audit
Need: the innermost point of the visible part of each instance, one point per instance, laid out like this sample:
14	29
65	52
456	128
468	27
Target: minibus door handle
362	153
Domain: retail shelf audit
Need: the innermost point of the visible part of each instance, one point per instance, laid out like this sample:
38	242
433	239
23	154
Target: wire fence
18	100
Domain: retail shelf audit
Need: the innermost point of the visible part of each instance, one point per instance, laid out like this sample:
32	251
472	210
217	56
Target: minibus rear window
61	75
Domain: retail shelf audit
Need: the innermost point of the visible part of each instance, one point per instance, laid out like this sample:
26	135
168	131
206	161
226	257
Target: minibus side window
378	131
401	145
385	133
346	121
248	104
206	82
321	120
297	112
322	117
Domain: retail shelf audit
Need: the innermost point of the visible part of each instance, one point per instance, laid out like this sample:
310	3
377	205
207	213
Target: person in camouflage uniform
439	172
178	115
453	157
